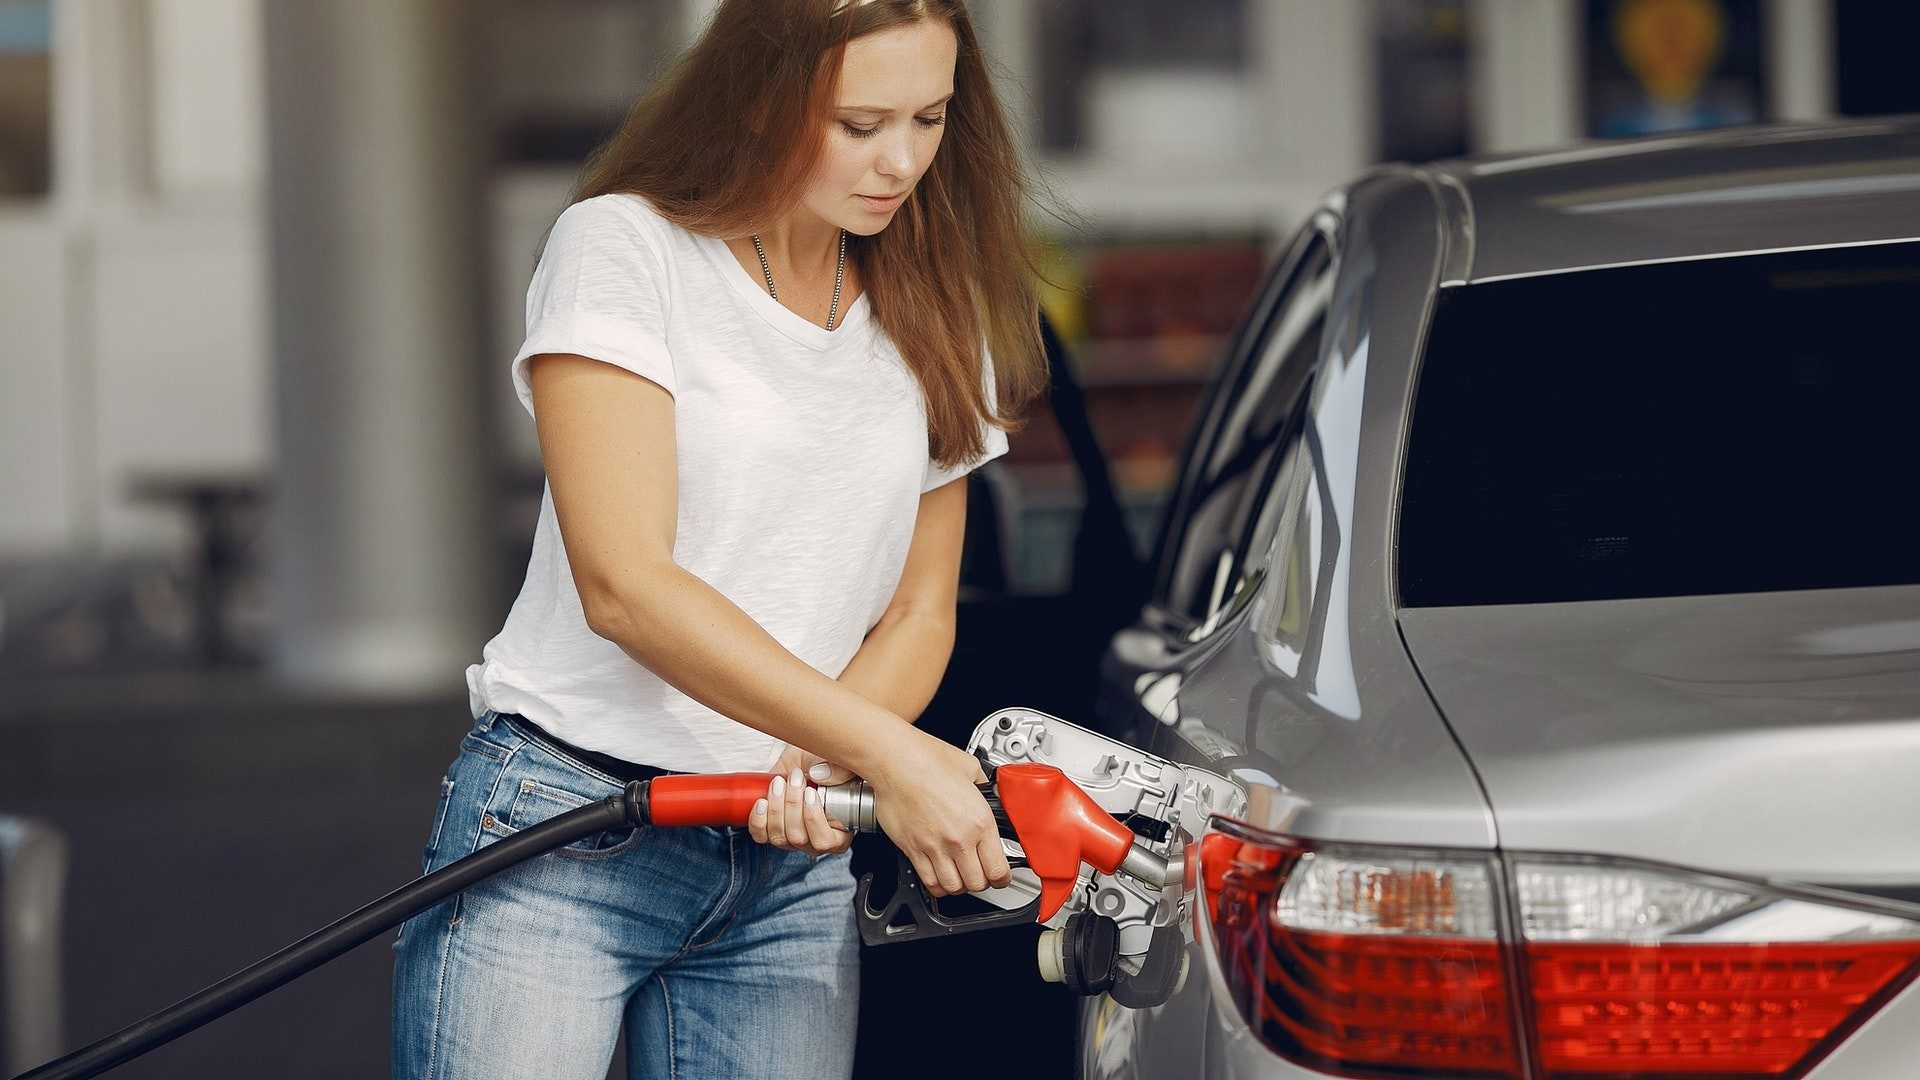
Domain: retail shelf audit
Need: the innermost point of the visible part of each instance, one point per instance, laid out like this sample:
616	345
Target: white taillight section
1570	901
1796	920
1360	895
1576	902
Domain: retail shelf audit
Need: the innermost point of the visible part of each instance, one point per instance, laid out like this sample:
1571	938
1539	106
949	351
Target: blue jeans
722	956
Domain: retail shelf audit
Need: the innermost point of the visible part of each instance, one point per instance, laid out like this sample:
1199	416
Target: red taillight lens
1393	1003
1382	967
1743	1010
1377	962
1644	971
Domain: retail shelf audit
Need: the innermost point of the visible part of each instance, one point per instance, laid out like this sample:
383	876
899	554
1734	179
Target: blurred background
265	490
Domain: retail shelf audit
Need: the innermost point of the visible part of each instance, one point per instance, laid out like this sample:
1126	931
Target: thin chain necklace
839	274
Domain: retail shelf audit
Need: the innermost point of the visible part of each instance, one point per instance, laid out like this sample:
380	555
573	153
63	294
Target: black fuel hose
627	809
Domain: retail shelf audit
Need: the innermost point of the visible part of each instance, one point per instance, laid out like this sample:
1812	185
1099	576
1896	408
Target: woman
764	344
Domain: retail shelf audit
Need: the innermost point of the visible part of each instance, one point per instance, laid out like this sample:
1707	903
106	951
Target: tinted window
1728	425
1229	480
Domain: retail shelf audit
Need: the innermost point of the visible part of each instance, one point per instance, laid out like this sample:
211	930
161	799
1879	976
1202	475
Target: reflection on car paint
1319	659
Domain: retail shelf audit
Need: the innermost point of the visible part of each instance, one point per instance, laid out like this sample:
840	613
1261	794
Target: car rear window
1738	424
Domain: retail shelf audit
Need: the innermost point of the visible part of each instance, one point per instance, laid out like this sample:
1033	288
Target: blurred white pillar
1526	67
380	572
1009	32
1799	44
101	82
204	106
101	163
1316	74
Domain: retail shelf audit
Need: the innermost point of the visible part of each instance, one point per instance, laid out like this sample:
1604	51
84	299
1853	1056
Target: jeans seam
728	899
762	857
673	1047
717	934
439	999
480	830
441	807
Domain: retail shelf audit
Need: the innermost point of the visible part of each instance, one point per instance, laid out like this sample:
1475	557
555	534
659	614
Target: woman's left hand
790	816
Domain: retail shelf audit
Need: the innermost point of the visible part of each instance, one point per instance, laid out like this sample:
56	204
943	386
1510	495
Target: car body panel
1770	734
1337	740
1686	196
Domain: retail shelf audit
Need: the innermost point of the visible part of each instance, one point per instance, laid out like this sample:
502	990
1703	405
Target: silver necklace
839	274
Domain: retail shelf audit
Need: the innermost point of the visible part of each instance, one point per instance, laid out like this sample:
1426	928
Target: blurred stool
33	877
218	505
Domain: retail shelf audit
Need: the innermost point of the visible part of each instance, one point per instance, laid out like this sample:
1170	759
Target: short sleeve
600	290
996	440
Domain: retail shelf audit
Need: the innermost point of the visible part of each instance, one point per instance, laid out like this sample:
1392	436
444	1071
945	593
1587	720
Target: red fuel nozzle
1058	826
717	799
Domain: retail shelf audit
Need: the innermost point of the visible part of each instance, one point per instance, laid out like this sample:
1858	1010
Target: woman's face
894	87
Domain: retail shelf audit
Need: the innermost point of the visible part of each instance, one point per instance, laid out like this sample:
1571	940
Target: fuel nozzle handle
1057	825
723	799
852	803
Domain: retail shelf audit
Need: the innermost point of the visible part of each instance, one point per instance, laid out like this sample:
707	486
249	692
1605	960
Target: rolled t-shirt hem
597	337
936	477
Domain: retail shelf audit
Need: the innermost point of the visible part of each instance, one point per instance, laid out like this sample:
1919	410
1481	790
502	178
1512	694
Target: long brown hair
724	142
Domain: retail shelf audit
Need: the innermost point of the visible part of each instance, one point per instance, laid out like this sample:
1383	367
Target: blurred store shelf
1145	323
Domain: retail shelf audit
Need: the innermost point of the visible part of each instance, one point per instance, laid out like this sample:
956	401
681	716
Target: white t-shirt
802	456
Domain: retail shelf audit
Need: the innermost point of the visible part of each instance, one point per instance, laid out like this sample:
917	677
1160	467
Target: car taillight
1378	962
1363	963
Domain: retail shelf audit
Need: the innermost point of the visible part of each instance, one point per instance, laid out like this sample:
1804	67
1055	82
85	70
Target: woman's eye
862	133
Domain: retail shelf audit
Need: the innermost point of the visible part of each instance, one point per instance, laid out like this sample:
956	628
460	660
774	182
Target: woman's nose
897	159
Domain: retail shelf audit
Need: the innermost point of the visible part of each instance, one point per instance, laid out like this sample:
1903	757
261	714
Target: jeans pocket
536	801
472	743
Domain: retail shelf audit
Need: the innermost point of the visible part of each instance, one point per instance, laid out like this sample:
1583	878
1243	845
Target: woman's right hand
929	804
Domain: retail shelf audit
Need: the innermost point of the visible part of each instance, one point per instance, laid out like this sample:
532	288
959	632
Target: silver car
1544	565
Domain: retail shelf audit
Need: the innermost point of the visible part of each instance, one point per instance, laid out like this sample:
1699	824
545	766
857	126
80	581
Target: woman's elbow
603	615
615	606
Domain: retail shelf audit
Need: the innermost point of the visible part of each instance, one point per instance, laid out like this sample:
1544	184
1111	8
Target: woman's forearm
900	664
691	635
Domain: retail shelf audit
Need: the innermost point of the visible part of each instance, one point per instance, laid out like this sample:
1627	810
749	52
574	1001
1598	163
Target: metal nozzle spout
851	805
1145	865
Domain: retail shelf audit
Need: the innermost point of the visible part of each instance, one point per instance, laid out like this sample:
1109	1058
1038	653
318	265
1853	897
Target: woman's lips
882	204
